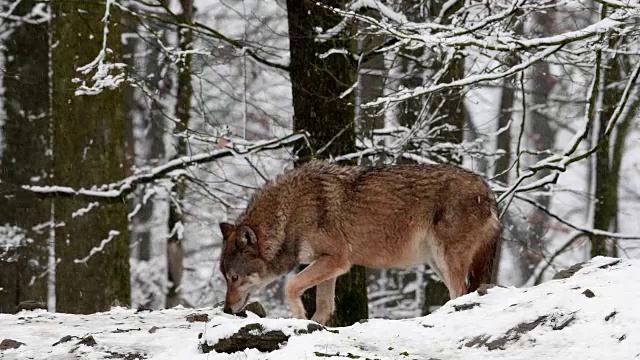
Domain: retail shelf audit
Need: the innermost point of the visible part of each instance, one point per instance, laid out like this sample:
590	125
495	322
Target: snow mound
590	312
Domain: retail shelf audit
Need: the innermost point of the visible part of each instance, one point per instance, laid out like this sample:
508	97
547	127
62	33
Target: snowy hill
590	315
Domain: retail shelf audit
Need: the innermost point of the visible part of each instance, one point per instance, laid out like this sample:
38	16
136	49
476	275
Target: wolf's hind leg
325	297
324	268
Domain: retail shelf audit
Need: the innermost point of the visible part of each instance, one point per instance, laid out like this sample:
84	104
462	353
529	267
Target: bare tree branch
115	191
581	229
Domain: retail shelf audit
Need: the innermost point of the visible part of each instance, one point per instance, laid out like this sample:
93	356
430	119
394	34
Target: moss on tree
89	149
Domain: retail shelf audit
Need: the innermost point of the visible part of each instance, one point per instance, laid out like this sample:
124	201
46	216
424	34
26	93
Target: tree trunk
505	122
371	80
175	250
25	159
317	85
448	106
609	157
148	121
540	135
89	148
451	102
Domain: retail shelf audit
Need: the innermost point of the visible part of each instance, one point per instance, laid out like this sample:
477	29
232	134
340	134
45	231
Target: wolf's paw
297	309
321	317
298	314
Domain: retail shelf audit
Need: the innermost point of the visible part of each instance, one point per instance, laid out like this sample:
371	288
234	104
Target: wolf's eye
234	278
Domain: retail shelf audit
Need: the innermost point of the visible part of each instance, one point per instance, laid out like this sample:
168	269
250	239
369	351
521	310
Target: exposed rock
30	305
555	321
463	307
126	356
567	273
310	328
561	321
254	336
256	308
588	293
7	344
483	289
198	317
117	331
611	315
512	334
88	341
65	339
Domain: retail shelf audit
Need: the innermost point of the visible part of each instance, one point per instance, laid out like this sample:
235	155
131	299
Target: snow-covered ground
591	315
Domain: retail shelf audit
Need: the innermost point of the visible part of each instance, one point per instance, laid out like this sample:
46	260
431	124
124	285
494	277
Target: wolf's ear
246	237
226	229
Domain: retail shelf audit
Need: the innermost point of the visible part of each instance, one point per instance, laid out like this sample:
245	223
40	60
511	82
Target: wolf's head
242	266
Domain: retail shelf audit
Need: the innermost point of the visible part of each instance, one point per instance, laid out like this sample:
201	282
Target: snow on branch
99	248
487	35
115	191
39	14
107	75
581	229
620	4
383	9
202	29
510	43
406	94
12	236
559	163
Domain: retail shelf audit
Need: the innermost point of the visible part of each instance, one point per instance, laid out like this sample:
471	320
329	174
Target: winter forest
129	129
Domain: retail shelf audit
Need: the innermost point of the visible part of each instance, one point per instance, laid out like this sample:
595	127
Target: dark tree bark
147	116
25	160
448	107
318	108
608	158
371	80
448	104
89	148
541	135
505	122
505	117
150	150
175	250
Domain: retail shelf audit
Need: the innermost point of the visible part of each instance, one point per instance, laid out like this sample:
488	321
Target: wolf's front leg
324	268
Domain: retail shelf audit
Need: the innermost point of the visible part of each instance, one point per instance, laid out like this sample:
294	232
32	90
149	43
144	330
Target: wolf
331	217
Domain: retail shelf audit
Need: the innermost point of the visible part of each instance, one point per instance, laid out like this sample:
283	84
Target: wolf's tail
483	263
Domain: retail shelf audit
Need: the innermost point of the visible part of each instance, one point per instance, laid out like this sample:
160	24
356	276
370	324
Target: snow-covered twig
620	4
581	229
37	15
203	29
115	191
103	77
84	210
559	163
538	273
470	80
99	248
